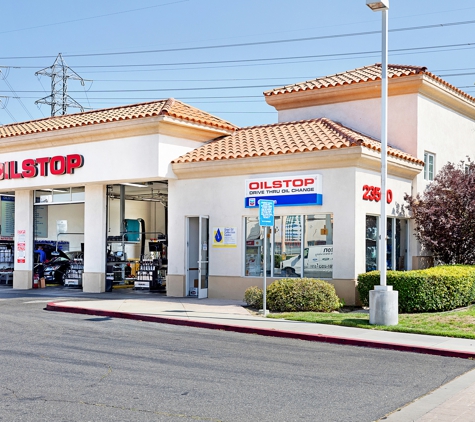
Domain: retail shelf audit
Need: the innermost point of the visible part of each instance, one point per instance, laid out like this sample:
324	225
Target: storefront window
318	246
400	242
77	194
292	237
371	243
254	251
396	248
59	195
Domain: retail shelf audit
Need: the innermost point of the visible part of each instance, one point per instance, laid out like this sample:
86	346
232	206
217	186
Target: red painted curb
322	338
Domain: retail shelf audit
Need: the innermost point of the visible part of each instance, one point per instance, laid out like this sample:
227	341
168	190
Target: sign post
266	219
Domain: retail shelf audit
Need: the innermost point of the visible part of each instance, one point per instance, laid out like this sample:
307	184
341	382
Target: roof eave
343	93
357	156
423	84
112	130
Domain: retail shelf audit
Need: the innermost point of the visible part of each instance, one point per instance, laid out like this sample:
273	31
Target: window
396	248
59	195
292	237
371	243
429	165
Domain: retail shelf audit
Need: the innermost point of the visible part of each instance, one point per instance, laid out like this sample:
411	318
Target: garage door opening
137	219
58	227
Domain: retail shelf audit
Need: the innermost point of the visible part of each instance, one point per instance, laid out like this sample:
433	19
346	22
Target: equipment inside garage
136	236
59	232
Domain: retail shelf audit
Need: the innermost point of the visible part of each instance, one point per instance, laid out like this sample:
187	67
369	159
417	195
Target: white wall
365	116
74	215
222	199
447	134
136	158
399	188
169	149
415	124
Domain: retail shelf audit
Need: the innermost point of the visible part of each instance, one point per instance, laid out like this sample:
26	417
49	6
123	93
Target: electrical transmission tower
59	100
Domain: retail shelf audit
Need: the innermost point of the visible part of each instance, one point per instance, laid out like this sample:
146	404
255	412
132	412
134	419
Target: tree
445	214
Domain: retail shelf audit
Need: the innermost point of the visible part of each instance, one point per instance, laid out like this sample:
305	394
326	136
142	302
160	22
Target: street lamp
378	5
383	301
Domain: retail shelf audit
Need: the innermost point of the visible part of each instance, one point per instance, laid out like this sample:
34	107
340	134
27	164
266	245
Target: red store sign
29	168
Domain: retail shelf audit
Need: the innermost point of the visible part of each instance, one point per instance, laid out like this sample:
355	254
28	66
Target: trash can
109	283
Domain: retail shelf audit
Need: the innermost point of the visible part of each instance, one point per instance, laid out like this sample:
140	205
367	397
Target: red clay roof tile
286	138
170	107
365	74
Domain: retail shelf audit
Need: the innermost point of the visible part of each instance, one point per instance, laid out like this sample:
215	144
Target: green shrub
432	290
253	296
301	295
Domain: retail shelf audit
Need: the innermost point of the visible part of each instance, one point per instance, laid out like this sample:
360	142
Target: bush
302	295
253	296
432	290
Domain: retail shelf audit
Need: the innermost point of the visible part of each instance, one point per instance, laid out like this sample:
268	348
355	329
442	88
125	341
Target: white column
23	267
94	276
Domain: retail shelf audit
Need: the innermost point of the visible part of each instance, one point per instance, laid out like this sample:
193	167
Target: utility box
132	229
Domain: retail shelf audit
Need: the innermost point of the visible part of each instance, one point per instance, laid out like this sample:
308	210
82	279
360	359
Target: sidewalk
453	401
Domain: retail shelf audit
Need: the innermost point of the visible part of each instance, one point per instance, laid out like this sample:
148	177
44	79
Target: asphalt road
65	367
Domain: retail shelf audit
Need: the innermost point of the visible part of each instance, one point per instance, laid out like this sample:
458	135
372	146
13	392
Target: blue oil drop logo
218	236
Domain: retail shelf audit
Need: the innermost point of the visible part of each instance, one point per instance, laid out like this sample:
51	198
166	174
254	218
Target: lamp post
383	301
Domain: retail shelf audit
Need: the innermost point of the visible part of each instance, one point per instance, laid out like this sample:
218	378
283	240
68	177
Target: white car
318	262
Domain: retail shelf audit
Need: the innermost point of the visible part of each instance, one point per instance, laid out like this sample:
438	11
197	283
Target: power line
203	80
248	44
394	51
91	17
351	34
14	93
4	107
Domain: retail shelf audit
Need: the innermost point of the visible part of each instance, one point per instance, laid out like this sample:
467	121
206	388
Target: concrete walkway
453	401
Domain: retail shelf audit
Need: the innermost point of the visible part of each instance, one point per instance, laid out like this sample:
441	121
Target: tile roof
169	107
365	74
286	138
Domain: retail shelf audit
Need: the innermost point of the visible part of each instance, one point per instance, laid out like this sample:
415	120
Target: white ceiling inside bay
156	191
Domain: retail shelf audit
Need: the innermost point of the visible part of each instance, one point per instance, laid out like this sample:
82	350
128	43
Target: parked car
318	263
55	266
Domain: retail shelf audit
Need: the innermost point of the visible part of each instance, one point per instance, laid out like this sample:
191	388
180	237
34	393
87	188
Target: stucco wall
222	199
446	133
124	159
365	117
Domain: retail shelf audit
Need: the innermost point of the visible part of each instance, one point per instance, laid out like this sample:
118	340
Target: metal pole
264	287
384	146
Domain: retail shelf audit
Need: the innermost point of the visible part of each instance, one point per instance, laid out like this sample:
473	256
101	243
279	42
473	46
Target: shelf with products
150	275
73	275
6	262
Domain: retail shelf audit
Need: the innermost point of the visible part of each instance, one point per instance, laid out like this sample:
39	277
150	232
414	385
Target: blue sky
130	52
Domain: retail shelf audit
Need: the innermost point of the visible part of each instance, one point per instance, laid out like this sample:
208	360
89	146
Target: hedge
434	289
302	295
295	295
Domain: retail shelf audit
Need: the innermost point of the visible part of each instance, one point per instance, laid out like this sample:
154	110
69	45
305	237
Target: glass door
203	261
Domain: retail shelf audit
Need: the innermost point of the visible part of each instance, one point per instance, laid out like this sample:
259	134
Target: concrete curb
322	338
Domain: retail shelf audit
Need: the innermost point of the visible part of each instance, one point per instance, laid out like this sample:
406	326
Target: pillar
95	212
23	266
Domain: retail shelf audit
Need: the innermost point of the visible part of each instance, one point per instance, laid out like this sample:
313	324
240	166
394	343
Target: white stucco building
328	128
198	180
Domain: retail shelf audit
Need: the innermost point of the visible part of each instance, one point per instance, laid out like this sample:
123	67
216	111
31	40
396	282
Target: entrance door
203	257
197	257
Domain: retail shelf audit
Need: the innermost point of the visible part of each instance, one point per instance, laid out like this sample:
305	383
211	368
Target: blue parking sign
266	213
